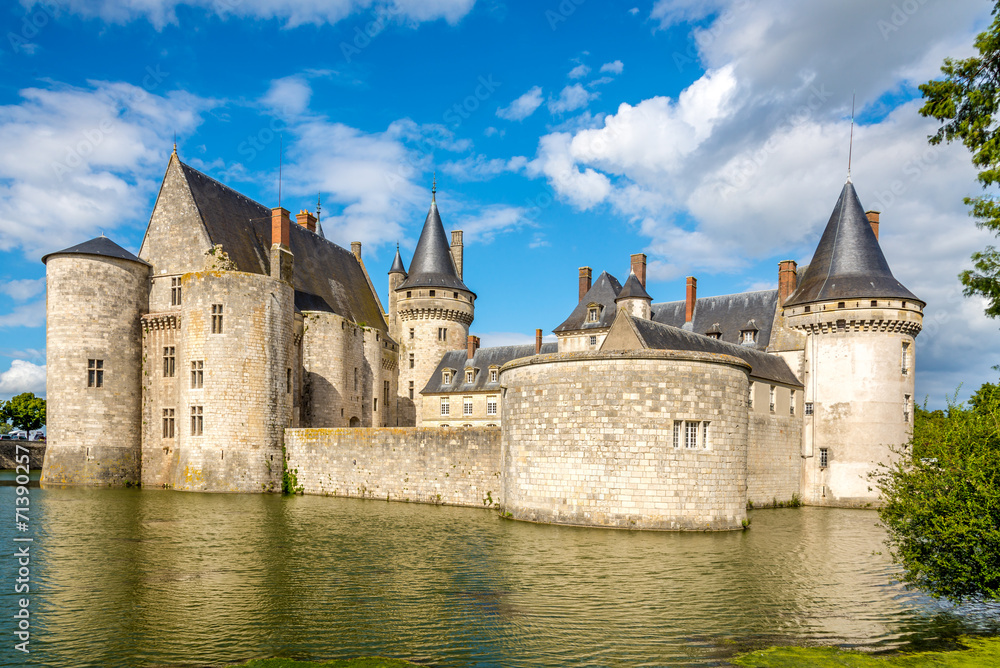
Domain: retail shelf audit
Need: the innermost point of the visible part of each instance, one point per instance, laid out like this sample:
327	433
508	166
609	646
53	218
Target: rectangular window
411	333
95	373
491	405
197	374
445	406
772	398
690	435
355	379
431	292
906	358
906	408
809	408
197	420
375	404
168	362
874	303
216	318
168	423
411	389
791	403
470	376
677	434
175	291
411	361
409	293
467	406
288	381
750	396
593	340
493	375
442	333
593	314
385	392
704	434
446	377
824	458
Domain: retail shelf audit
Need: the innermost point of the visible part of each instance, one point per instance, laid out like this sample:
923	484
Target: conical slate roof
633	290
432	265
98	246
397	264
848	263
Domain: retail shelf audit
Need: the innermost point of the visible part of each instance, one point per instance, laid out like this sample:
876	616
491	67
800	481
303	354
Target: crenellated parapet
160	322
436	313
857	315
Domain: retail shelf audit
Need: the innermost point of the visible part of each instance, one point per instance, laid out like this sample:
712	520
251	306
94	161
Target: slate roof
633	289
848	262
397	264
432	264
325	276
657	336
98	246
483	359
604	291
730	312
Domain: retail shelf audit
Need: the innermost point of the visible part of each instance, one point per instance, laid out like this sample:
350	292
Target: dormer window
748	335
494	374
715	332
446	377
470	375
594	313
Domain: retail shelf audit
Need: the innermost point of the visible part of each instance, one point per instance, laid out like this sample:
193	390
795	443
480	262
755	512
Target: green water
159	578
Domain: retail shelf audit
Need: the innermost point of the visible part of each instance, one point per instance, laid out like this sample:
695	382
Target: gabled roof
397	264
848	263
97	246
325	276
432	264
604	291
729	312
657	336
633	290
483	359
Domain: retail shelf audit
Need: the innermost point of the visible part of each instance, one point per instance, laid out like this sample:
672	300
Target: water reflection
154	578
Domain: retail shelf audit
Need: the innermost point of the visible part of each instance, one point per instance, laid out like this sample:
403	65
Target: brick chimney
639	268
306	220
584	282
281	226
472	345
538	341
457	249
691	297
787	279
873	220
356	249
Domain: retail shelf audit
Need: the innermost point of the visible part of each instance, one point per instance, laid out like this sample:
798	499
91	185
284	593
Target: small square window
432	293
95	373
455	295
841	304
409	294
874	303
593	340
809	408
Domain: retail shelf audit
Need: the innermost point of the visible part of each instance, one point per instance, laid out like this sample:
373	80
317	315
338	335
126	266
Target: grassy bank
979	652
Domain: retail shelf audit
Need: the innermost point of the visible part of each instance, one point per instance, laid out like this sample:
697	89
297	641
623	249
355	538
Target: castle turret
634	298
860	324
96	293
397	274
434	310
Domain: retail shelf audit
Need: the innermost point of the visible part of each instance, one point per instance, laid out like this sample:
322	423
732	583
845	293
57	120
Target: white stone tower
97	292
859	324
431	310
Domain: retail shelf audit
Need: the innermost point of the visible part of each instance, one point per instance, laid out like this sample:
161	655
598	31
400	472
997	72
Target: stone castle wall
774	458
93	310
448	466
588	439
332	354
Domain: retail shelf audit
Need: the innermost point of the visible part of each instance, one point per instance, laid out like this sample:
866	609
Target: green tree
966	102
25	411
941	500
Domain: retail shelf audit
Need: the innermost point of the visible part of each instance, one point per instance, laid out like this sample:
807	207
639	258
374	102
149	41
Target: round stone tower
860	324
433	312
96	294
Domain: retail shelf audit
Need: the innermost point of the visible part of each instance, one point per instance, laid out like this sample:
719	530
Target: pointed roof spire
434	187
397	264
633	289
432	264
848	262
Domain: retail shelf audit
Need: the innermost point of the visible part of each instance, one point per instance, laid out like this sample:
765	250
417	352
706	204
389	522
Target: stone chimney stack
787	279
281	225
472	346
585	274
306	220
356	249
873	220
538	341
691	297
639	268
457	248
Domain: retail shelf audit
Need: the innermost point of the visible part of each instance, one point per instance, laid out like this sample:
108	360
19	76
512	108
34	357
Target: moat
153	578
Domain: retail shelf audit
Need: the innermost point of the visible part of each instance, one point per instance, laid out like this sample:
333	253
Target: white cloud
288	96
163	12
31	314
523	106
22	289
77	161
480	168
579	71
614	67
21	377
571	98
584	189
490	221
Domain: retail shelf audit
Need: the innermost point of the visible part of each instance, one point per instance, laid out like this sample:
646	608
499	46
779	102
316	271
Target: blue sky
710	134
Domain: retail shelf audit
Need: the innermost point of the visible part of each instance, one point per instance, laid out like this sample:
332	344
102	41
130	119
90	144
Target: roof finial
175	142
434	187
319	205
850	149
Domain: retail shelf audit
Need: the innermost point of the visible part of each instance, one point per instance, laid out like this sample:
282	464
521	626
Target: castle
238	341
